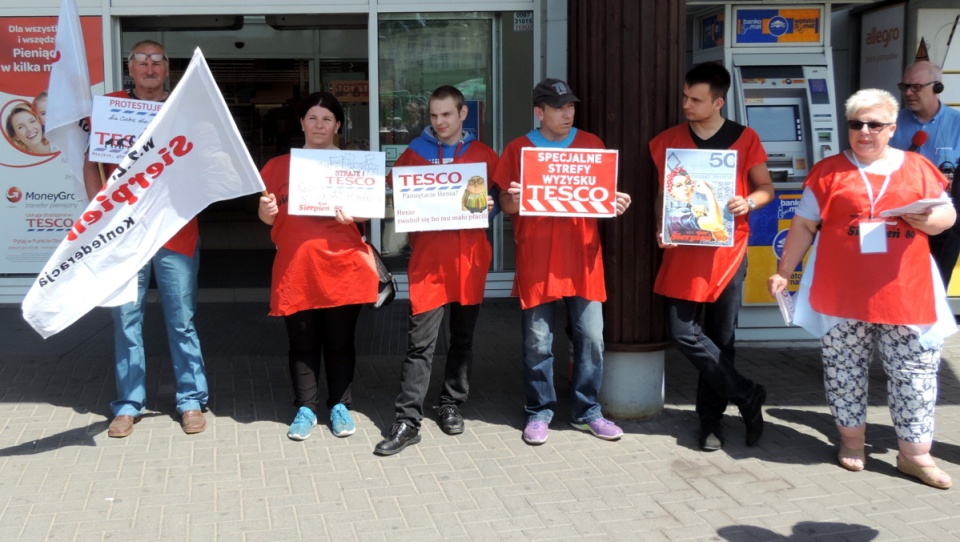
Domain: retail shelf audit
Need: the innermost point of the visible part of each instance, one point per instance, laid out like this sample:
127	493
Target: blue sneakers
302	424
340	421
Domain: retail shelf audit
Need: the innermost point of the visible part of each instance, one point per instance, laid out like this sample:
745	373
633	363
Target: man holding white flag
69	92
144	220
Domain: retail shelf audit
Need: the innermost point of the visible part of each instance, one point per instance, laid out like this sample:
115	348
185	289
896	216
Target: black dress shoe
451	421
711	436
401	436
752	414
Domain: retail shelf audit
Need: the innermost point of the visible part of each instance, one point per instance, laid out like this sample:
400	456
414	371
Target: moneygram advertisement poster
40	200
768	231
433	198
568	182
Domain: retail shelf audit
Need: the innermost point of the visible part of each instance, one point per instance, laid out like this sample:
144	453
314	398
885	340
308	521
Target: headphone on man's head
938	87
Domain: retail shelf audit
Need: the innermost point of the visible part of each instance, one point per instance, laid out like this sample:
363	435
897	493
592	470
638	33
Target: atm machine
781	66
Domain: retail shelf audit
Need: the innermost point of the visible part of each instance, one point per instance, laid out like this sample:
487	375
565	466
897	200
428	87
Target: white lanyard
866	182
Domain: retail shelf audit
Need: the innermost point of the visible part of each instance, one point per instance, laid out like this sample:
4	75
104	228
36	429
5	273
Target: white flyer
917	207
116	123
447	197
322	181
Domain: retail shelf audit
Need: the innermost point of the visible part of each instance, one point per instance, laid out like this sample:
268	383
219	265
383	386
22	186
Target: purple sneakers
601	428
535	432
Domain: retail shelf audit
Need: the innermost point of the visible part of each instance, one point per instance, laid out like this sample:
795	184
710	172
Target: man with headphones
922	111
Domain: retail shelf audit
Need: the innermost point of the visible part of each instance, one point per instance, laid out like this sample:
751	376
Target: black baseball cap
553	92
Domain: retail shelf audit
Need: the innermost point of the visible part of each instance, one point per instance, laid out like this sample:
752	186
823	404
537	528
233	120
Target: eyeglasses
142	57
916	87
874	126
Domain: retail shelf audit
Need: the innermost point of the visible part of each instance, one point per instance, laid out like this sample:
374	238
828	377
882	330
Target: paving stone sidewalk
63	479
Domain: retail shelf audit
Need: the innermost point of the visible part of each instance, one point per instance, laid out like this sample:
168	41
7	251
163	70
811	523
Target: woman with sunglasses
870	282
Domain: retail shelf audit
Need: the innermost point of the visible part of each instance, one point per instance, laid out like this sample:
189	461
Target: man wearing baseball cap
559	260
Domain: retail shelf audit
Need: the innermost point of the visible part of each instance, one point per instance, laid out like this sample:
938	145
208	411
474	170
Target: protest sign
322	181
568	182
447	197
116	124
696	188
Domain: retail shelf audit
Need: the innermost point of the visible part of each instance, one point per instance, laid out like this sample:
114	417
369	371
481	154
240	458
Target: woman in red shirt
322	274
870	281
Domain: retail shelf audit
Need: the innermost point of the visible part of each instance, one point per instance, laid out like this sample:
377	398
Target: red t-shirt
448	266
320	263
700	273
184	241
556	256
895	287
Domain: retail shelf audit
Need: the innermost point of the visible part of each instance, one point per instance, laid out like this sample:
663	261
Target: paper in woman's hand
917	207
785	301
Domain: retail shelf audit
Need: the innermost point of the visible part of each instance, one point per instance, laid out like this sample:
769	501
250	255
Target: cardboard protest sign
568	182
322	181
447	197
116	124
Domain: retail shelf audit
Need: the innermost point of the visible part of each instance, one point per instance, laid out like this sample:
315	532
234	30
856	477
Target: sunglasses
916	87
873	125
142	57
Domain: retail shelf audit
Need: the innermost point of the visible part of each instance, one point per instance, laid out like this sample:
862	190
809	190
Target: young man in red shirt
446	267
703	285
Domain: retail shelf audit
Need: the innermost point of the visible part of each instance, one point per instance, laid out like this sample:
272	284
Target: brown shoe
192	421
122	426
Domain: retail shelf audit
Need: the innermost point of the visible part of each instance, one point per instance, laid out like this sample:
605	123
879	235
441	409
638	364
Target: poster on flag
116	124
41	197
444	197
697	185
322	181
568	182
192	155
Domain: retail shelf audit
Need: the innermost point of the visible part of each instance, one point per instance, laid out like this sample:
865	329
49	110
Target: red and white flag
69	97
190	156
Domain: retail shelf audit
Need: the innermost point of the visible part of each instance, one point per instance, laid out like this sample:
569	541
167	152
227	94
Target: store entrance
263	66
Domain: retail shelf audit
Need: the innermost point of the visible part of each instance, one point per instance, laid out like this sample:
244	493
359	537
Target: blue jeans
177	283
586	326
705	334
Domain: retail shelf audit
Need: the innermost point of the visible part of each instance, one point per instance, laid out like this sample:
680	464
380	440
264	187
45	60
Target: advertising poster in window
40	196
768	231
778	26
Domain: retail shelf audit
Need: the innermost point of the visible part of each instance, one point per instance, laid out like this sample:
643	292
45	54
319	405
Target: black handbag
387	289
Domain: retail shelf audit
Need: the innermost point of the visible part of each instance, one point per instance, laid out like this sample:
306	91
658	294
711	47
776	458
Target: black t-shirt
726	136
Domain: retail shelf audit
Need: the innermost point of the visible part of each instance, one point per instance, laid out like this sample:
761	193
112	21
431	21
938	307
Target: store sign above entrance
351	91
778	27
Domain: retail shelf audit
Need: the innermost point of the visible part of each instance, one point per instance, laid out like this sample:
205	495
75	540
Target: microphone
918	140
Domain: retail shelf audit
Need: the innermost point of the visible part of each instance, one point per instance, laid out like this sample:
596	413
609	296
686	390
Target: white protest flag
68	95
190	156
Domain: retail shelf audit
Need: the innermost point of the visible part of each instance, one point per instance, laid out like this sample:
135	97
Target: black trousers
327	334
945	249
422	341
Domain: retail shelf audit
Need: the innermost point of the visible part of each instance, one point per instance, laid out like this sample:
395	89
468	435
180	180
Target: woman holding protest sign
322	274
